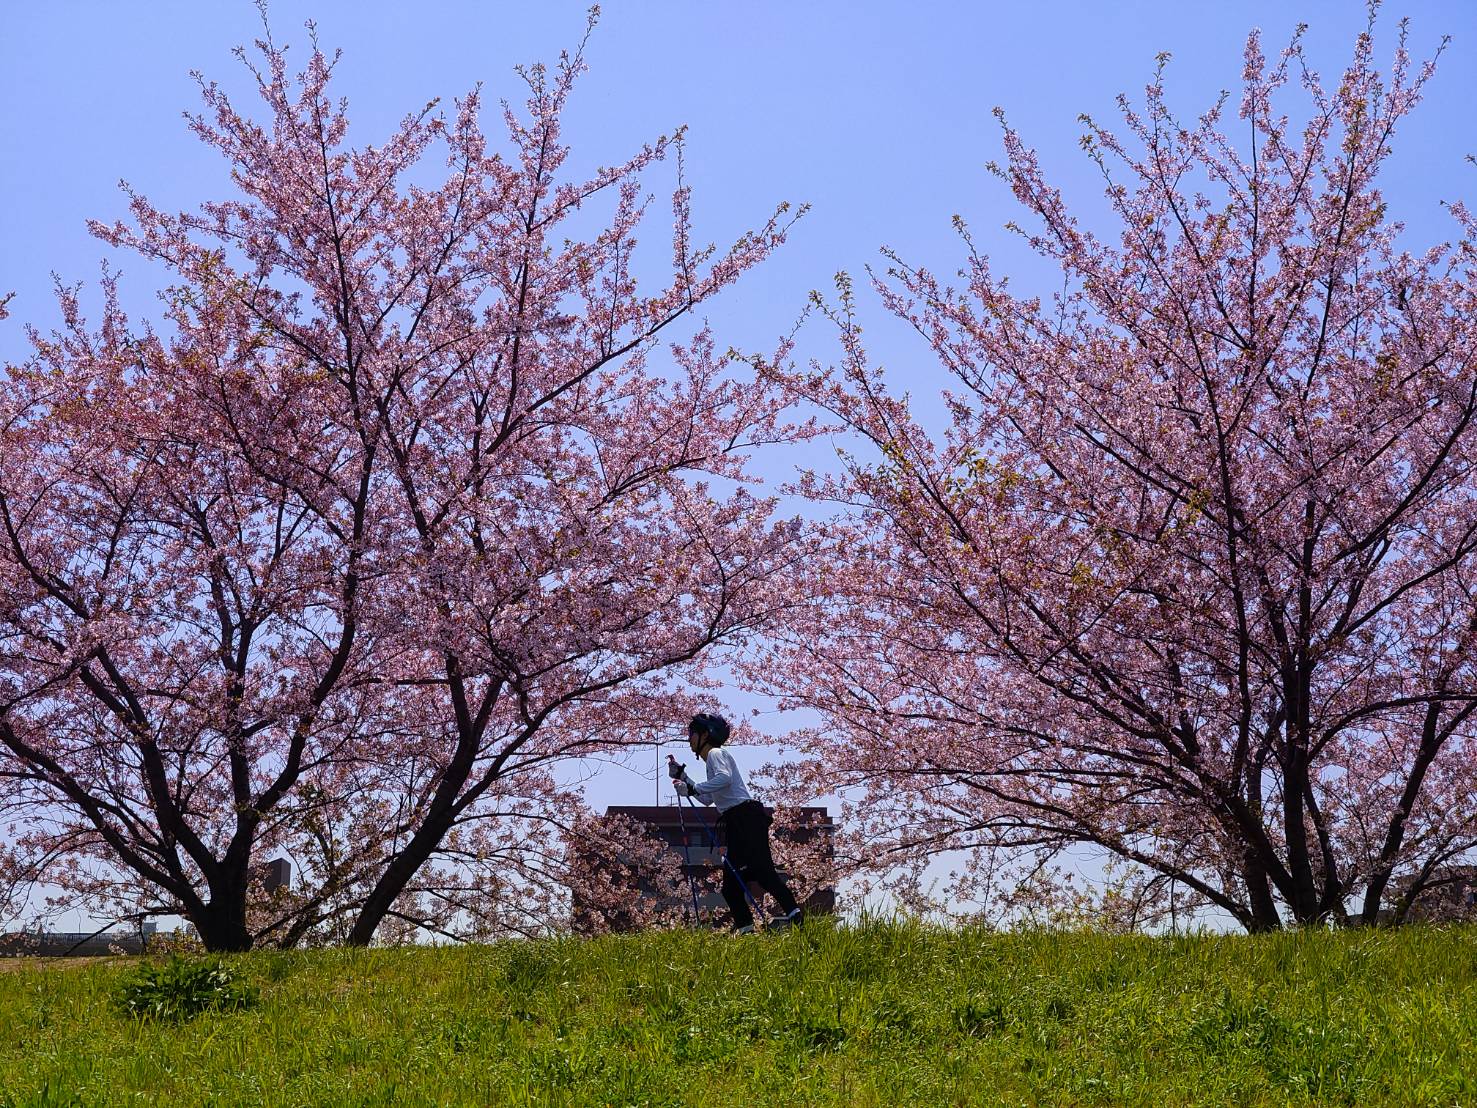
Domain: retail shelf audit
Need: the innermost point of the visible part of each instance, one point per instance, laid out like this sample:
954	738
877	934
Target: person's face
695	741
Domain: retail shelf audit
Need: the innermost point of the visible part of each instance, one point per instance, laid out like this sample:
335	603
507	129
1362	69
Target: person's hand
682	787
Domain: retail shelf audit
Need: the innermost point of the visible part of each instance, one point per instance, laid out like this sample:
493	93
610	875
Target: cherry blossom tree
180	574
1188	577
402	515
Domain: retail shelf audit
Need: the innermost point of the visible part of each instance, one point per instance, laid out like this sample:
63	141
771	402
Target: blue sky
877	114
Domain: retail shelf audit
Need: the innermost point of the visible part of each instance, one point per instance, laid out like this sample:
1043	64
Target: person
742	820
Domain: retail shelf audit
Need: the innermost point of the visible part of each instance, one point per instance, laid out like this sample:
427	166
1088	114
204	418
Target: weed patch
183	988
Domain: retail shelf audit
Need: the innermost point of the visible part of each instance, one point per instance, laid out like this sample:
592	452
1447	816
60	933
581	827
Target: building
68	944
1448	895
684	832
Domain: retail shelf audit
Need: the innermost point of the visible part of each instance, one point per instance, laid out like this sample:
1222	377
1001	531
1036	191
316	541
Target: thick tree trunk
440	814
1395	835
1303	900
222	927
1264	915
396	876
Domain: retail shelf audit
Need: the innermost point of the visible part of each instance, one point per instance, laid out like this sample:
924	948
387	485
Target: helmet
714	727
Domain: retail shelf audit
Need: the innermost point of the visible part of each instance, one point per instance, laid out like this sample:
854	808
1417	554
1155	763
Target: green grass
871	1015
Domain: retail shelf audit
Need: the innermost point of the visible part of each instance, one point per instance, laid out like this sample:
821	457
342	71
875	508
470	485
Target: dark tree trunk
397	875
222	926
1264	915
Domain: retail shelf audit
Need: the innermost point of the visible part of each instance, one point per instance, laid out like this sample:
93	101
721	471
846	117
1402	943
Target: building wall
59	944
666	824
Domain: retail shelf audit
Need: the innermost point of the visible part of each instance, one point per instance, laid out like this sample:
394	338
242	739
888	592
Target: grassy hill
872	1015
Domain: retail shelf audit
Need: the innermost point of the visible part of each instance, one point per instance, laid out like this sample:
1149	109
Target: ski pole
713	839
687	862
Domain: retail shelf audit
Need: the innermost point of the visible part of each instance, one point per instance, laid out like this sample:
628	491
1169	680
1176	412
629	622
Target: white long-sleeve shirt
724	787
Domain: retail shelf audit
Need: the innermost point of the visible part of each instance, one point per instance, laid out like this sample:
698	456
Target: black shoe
792	918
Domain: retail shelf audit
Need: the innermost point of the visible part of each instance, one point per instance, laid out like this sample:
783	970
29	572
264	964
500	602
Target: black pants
745	830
